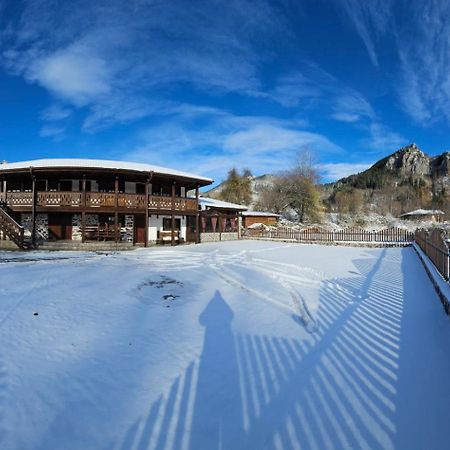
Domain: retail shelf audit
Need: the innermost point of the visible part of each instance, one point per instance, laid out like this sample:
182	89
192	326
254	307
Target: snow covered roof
206	202
99	164
423	212
259	214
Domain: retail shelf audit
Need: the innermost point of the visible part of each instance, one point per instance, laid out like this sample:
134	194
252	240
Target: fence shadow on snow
339	389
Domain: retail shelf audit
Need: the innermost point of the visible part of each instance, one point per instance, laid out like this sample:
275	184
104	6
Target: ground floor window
213	224
167	224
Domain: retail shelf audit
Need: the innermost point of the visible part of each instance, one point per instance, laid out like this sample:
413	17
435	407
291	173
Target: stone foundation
41	225
217	237
76	227
127	232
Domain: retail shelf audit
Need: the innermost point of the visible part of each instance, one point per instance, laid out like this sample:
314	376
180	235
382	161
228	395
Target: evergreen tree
237	187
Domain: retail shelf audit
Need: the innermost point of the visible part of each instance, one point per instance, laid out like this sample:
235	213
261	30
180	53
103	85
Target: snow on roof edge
99	164
260	213
422	212
212	202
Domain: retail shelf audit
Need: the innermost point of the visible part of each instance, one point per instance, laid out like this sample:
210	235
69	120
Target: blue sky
206	85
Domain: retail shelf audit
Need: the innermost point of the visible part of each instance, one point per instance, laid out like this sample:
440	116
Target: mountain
407	179
404	180
256	183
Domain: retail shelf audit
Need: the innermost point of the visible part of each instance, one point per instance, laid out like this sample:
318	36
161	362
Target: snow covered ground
235	345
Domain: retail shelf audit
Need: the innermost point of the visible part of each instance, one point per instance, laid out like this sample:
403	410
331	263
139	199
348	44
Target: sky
204	86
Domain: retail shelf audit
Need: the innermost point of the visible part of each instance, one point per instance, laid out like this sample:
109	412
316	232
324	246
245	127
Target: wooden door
60	226
139	228
190	229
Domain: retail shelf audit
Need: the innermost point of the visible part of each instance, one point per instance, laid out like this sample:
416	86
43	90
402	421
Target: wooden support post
116	214
147	193
238	224
220	226
172	242
83	208
5	193
33	210
197	219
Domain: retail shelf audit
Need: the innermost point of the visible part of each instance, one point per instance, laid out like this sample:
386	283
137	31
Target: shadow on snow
339	390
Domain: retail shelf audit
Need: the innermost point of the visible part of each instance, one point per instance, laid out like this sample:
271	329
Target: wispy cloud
419	40
352	107
370	20
109	52
424	86
382	139
265	145
52	131
336	171
315	88
56	112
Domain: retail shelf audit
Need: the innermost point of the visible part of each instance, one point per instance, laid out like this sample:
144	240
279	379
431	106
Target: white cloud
420	40
384	140
336	171
52	131
424	86
273	139
264	145
292	89
370	19
352	107
108	53
72	74
56	112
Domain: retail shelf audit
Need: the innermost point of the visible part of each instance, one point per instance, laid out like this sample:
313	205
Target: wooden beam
116	214
172	241
83	209
5	190
33	210
197	219
147	193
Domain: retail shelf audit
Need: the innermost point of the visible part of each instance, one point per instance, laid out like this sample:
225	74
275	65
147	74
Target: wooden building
250	218
219	220
95	200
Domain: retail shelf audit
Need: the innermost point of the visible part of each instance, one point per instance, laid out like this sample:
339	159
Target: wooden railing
131	201
11	228
434	245
318	234
98	200
165	203
19	199
59	198
159	202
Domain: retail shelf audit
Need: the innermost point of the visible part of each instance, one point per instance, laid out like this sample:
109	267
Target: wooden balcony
98	200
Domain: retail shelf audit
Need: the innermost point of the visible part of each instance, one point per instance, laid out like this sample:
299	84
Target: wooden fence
434	245
317	234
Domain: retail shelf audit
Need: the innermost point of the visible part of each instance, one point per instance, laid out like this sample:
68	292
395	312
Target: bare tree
294	190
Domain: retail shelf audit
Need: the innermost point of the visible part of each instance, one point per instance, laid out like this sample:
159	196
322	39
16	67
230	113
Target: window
130	187
167	224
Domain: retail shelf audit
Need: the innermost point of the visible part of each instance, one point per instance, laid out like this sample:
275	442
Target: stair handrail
12	228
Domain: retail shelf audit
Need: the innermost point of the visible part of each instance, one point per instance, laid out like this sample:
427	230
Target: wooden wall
248	221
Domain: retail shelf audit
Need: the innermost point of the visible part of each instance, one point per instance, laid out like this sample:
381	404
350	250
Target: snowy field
238	345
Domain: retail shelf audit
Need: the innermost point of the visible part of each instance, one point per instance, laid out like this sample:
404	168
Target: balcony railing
58	198
98	200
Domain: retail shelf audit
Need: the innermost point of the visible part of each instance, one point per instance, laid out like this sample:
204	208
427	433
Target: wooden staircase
14	231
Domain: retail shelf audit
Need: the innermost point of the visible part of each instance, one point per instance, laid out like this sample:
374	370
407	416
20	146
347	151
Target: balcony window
41	185
106	186
130	187
91	186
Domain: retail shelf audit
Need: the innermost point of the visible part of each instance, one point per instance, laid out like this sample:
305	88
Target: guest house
98	201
